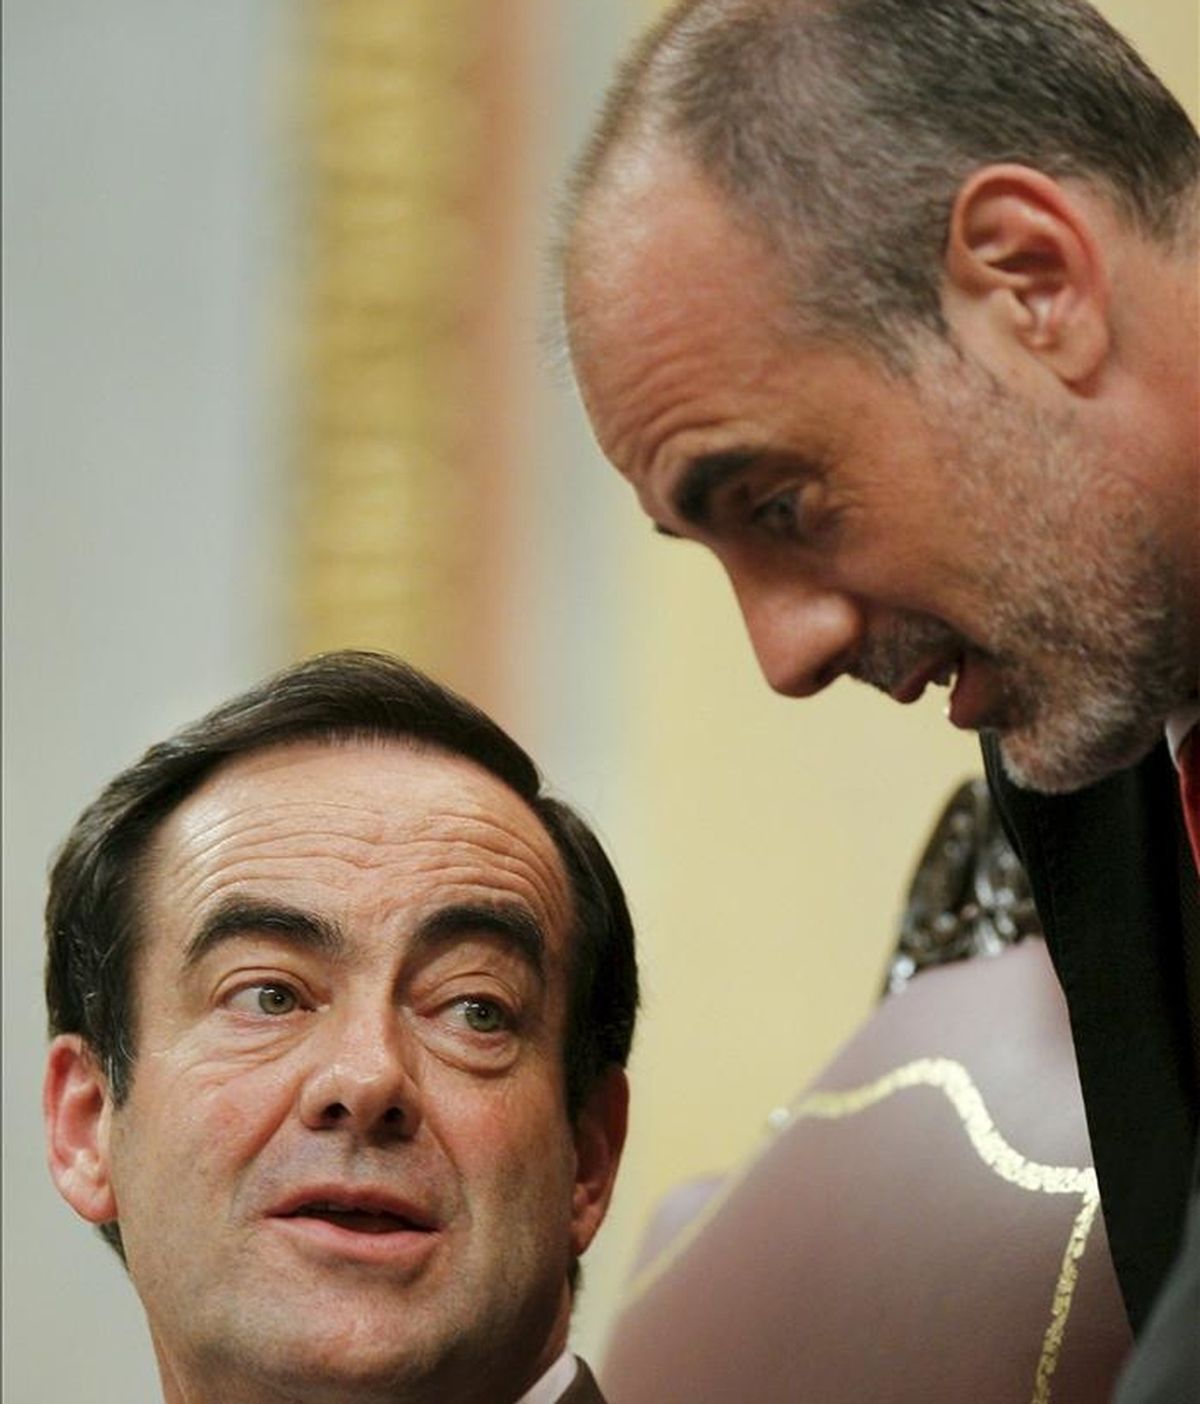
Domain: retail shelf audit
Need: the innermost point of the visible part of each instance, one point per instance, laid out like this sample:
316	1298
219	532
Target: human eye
779	515
476	1031
483	1015
272	998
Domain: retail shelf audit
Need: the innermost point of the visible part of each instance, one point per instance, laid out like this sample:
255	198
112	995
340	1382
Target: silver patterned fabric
969	895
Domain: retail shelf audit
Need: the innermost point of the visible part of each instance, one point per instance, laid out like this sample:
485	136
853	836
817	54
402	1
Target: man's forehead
357	773
657	245
335	812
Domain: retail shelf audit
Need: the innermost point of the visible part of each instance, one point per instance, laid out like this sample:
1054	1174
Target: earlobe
76	1110
1022	263
599	1139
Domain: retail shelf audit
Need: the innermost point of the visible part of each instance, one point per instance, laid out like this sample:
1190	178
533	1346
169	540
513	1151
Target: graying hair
842	129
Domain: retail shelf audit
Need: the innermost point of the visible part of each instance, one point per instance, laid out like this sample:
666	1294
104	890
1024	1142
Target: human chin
325	1340
1066	747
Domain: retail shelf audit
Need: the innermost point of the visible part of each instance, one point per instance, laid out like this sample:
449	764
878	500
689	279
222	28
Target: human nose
805	636
363	1081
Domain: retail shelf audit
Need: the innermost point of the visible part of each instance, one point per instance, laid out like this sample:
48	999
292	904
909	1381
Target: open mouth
370	1213
943	672
359	1220
947	674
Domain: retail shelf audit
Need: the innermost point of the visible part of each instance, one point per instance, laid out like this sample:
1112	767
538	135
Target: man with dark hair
341	1003
893	305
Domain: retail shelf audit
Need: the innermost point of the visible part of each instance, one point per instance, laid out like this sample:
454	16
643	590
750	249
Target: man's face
345	1167
956	526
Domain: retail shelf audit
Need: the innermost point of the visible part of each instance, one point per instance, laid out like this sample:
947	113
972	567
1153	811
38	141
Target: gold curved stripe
952	1079
1064	1290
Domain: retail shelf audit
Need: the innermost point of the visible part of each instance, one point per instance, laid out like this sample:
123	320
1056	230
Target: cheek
237	1111
514	1143
202	1119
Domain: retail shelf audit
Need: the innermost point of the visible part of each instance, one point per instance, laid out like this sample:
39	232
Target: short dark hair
842	130
92	928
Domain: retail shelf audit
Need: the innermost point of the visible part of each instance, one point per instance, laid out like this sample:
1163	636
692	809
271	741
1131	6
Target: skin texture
352	991
1020	511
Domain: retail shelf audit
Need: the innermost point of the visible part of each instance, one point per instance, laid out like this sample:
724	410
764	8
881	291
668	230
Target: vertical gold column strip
396	154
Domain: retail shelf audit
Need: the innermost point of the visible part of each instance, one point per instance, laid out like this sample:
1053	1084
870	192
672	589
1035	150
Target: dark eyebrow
693	493
242	916
508	921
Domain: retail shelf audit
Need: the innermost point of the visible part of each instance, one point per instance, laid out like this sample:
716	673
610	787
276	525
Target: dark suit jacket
1116	889
583	1389
1165	1367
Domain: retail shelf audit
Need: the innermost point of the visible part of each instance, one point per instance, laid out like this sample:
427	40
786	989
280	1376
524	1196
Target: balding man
893	305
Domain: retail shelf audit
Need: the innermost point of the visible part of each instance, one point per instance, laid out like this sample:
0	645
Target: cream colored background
159	223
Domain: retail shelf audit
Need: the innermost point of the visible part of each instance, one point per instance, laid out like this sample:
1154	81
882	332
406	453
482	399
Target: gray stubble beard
1086	620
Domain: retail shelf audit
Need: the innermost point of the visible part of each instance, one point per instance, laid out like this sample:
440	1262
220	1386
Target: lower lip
405	1248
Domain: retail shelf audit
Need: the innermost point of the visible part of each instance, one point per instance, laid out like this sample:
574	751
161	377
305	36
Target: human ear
599	1139
76	1111
1023	266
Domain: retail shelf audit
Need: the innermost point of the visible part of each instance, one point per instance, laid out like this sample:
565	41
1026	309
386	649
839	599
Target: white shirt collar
554	1383
1179	723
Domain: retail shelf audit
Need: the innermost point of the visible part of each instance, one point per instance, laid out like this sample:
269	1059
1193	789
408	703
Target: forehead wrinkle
461	823
646	349
206	859
511	882
652	415
537	858
339	809
677	379
461	848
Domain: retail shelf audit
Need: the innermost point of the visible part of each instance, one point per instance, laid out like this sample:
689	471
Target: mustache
891	653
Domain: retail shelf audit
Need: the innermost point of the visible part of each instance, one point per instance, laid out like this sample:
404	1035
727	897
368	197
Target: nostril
336	1111
393	1116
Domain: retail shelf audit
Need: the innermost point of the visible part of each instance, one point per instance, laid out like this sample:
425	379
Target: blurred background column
399	457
